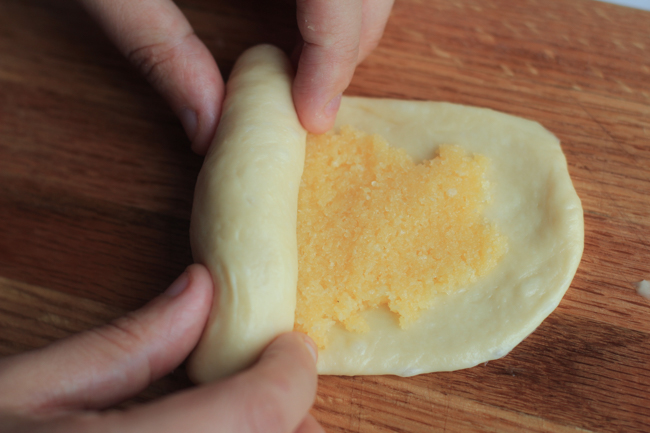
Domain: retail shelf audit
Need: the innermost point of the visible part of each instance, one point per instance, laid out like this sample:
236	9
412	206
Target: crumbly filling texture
375	228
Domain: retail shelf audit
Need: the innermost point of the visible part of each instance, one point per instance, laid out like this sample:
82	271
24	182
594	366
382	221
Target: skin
62	387
336	35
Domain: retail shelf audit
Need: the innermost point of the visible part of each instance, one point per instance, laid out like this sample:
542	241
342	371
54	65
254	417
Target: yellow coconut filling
375	228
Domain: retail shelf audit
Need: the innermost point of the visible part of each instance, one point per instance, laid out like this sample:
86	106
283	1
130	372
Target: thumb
331	31
106	365
273	396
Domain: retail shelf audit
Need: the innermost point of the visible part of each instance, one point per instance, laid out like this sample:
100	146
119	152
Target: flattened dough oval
243	229
534	204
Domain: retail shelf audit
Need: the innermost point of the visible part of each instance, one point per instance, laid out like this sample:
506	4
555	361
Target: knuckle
324	68
120	340
152	59
348	52
123	333
337	49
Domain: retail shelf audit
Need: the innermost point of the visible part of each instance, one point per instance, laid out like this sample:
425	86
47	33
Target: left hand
60	388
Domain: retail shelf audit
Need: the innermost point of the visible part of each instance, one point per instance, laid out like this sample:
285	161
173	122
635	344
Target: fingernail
189	121
332	107
311	346
177	287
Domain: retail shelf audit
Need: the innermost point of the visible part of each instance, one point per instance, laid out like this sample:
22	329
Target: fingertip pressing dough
243	225
244	230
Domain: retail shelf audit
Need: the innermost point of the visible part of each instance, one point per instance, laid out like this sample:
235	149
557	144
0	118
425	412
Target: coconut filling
375	228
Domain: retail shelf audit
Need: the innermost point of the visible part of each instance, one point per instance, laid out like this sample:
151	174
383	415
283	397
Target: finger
157	38
274	396
310	425
330	30
375	16
103	366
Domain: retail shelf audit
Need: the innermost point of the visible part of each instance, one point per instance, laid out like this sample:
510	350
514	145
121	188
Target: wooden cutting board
96	182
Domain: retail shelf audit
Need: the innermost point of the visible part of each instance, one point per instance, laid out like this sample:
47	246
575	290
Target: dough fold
243	226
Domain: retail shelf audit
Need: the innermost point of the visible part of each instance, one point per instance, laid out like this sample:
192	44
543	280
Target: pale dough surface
244	230
243	225
533	203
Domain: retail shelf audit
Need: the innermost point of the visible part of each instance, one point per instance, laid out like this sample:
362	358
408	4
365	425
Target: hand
61	387
336	36
157	38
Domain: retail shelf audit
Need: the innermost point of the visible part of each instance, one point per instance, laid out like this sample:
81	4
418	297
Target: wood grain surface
96	183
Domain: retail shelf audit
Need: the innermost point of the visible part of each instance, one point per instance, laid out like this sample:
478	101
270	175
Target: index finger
157	38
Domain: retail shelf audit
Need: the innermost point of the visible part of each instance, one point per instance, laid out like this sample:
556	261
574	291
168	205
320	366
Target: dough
243	225
243	229
534	204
